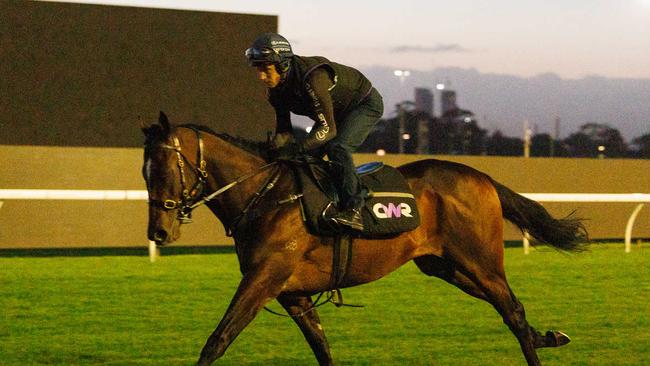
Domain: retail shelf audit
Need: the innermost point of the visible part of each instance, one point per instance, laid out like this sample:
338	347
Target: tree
501	145
385	135
580	145
594	139
540	145
458	133
382	137
643	146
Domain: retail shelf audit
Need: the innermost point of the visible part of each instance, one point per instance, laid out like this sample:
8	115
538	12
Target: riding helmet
270	48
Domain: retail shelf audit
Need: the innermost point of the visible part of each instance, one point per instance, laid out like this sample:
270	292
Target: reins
333	296
185	204
232	184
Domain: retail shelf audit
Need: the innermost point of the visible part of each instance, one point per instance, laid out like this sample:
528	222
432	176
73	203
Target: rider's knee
339	148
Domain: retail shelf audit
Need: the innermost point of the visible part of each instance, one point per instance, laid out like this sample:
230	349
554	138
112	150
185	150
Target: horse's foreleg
304	314
254	291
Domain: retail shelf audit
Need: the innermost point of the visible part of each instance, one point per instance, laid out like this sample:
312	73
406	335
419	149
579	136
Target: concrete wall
88	75
123	223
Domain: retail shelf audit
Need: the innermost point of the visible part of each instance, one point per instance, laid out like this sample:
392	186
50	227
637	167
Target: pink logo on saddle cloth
392	210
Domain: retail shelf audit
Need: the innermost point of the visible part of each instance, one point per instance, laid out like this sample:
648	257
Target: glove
281	139
286	152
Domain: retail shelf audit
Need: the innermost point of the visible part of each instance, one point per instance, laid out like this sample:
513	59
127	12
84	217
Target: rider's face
268	75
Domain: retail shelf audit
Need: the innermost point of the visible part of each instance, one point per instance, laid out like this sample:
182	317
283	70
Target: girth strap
341	259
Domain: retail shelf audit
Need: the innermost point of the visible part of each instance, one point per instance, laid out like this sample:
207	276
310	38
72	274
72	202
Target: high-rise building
424	101
423	131
423	114
447	101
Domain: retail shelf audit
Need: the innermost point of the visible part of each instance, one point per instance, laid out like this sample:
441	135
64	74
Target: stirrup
354	222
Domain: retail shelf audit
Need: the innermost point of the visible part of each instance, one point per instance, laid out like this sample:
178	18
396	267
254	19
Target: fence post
526	242
628	228
154	251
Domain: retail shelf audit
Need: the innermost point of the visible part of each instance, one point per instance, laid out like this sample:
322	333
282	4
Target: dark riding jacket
320	89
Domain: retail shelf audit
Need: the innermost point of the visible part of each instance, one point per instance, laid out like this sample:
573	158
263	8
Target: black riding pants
350	134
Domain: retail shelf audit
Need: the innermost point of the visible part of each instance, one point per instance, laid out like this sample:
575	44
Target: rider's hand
281	139
286	152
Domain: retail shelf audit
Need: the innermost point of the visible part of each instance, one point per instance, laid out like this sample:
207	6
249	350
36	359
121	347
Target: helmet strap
283	68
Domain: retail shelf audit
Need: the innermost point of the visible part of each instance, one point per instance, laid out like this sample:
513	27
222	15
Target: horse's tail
567	234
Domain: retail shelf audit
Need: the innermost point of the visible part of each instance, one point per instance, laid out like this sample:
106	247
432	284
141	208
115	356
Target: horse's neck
230	162
227	163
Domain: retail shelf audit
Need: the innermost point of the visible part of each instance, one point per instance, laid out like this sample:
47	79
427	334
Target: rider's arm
283	130
324	129
282	116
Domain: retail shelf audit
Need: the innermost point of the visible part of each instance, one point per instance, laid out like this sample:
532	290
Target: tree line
457	133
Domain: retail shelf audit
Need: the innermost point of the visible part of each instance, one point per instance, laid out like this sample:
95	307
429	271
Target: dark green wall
88	75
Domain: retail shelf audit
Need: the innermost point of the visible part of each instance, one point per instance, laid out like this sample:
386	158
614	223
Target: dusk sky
573	39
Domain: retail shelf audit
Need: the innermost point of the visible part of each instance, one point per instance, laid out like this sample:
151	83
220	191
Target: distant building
423	112
413	128
447	101
424	101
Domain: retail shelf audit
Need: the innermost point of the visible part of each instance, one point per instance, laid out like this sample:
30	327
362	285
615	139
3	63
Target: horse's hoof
556	338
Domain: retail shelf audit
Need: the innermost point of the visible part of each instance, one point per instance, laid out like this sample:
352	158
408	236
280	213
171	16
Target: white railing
72	194
640	198
121	195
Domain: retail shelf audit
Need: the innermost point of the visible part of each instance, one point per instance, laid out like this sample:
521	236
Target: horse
459	239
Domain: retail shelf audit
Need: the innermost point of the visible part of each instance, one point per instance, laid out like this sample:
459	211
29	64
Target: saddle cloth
390	207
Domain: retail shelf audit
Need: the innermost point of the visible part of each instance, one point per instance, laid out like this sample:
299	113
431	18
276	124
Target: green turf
123	310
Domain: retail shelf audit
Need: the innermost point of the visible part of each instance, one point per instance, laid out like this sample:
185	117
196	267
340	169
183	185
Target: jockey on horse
342	102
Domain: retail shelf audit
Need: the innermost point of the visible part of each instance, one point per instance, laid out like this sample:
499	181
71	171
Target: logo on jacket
382	211
322	132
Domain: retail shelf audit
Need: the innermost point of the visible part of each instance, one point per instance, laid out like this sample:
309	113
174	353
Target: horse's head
171	182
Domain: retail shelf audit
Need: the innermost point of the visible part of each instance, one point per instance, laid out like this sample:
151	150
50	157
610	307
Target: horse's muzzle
160	237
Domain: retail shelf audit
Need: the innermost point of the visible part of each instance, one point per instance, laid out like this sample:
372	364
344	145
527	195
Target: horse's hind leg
301	309
550	339
491	287
498	293
486	271
435	266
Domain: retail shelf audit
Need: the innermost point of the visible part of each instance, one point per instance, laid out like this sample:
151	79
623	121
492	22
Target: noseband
196	196
189	196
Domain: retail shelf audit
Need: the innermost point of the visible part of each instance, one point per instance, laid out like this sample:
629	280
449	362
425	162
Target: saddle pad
390	208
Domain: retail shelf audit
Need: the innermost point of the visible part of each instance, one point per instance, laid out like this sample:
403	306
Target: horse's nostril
160	235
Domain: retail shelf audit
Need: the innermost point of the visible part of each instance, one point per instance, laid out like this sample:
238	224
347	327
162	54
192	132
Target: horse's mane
256	147
154	134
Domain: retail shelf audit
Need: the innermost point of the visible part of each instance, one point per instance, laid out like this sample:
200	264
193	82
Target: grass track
121	310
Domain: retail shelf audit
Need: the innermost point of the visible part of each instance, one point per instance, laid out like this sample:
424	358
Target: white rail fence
639	198
140	195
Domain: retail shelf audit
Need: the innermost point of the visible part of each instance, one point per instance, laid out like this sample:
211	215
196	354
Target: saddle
390	207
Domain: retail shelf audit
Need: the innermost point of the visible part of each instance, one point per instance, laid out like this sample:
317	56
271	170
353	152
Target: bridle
196	196
188	195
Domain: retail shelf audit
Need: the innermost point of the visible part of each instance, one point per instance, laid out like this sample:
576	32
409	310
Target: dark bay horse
460	238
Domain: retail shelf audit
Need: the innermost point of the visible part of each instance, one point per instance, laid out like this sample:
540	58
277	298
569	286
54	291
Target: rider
342	102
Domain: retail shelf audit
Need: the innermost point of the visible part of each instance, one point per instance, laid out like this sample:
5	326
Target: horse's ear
151	132
164	121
